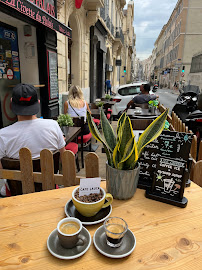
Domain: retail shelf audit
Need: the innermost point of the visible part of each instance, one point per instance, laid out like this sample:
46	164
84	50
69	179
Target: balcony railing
102	13
119	34
112	29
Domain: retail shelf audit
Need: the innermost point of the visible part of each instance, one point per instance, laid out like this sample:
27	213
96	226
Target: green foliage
121	148
65	120
107	96
153	103
99	104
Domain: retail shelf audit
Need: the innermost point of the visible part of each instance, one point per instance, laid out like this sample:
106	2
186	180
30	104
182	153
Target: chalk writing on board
169	144
168	177
53	75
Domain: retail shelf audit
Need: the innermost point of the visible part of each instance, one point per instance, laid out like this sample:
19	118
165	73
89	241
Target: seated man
29	131
143	97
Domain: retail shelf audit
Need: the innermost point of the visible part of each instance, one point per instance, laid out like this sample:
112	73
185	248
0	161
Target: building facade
29	53
181	38
98	49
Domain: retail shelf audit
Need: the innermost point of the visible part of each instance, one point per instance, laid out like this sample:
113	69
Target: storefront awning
36	13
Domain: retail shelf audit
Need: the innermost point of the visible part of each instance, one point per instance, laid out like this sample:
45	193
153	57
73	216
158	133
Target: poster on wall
53	75
9	57
9	71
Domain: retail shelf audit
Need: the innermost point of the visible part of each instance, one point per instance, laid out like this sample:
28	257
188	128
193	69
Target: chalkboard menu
170	144
169	182
53	75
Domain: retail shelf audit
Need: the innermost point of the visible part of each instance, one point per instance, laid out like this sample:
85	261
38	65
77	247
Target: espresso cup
92	208
68	232
115	229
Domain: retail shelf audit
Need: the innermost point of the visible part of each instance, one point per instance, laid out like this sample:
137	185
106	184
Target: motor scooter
187	109
155	88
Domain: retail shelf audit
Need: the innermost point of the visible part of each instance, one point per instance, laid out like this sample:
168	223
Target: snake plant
121	148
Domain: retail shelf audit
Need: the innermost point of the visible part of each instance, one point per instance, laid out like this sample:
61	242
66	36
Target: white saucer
58	251
126	248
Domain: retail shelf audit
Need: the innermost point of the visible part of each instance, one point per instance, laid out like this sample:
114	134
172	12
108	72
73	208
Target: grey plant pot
152	109
65	129
122	184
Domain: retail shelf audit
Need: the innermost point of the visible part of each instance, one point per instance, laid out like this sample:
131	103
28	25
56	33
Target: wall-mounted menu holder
169	182
170	144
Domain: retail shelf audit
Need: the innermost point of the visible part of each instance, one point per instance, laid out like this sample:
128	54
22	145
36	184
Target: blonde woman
76	106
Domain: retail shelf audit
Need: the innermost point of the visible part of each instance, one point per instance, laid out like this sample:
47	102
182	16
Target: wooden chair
47	178
200	151
197	173
82	139
140	124
143	106
93	106
72	146
14	164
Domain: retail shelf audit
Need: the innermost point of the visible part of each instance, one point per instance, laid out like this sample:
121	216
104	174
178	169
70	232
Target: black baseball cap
24	100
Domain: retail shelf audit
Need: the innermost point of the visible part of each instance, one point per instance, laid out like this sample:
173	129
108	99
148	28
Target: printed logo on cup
89	185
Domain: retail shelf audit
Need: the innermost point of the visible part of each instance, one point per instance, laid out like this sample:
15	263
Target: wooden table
95	113
167	237
144	114
70	134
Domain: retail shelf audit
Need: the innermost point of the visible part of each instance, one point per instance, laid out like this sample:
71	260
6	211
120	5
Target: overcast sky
149	18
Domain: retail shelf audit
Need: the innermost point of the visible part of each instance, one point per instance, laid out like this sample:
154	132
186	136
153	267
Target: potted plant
153	104
99	104
122	168
107	97
65	120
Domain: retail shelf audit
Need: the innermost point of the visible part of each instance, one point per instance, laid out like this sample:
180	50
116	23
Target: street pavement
167	97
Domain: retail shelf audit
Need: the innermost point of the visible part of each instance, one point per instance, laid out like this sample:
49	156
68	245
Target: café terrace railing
47	176
68	176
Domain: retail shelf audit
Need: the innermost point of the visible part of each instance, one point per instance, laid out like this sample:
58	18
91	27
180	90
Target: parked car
124	94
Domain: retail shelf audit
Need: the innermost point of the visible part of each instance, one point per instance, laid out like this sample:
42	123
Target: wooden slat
47	169
69	168
183	127
26	168
171	128
92	165
169	119
180	125
186	129
193	150
200	152
173	119
197	173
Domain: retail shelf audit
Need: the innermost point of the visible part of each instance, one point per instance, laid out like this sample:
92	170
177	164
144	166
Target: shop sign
109	67
118	62
38	14
46	5
10	74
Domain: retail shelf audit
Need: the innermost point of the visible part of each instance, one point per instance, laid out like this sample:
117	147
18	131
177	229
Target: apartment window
107	8
196	64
